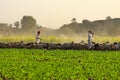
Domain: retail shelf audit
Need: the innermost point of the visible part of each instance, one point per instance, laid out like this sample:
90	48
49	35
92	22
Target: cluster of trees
108	27
28	24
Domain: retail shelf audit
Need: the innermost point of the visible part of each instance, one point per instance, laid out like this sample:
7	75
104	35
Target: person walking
90	36
37	37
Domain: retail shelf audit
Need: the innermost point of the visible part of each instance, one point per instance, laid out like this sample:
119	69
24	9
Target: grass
56	39
32	39
32	64
105	39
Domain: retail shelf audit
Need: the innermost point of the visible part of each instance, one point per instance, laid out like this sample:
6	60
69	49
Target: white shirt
89	36
37	36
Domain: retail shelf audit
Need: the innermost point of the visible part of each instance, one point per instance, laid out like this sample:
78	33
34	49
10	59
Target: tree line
28	25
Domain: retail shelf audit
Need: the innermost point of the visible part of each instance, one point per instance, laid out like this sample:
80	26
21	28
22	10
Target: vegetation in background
28	26
59	39
28	23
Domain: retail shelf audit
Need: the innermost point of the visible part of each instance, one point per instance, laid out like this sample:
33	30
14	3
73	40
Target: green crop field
32	64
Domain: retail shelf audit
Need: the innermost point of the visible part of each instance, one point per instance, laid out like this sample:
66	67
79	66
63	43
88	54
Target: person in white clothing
90	36
37	37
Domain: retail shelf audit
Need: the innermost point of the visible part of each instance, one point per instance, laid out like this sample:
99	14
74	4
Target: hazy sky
55	13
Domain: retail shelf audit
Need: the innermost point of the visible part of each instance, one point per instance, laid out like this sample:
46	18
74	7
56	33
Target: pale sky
55	13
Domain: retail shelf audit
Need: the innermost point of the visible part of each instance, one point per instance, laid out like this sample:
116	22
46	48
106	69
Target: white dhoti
37	41
90	44
90	41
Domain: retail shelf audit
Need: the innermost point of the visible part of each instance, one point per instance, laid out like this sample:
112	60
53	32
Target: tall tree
108	18
10	25
28	23
17	24
85	21
74	20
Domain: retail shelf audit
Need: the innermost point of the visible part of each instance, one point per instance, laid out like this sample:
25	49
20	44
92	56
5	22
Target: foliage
108	27
108	18
28	23
31	64
85	21
74	20
17	24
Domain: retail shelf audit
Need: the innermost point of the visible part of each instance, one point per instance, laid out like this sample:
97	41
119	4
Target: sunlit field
55	39
105	39
32	39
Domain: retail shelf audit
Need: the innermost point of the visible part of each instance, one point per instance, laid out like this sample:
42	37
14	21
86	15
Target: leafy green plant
34	64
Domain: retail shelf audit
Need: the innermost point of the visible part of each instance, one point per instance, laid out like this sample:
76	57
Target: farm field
56	39
35	64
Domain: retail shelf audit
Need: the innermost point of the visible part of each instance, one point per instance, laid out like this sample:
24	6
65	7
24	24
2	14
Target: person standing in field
90	36
37	37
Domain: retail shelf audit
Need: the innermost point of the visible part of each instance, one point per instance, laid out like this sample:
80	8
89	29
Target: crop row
32	64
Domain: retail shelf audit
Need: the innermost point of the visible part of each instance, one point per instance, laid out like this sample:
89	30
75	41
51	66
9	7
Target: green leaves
32	64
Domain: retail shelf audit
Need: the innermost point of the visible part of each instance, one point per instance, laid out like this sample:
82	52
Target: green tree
108	18
74	20
10	25
17	24
28	23
85	21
